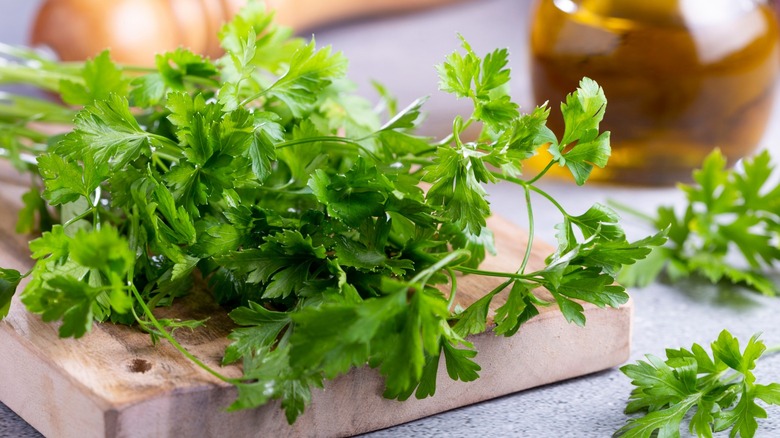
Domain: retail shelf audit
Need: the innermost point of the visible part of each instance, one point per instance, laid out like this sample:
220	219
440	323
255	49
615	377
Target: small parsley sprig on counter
715	393
264	175
728	231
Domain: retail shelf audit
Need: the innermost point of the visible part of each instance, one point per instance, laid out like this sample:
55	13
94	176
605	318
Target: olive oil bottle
681	77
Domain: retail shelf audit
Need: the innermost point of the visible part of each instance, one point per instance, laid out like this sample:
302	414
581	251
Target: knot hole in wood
139	366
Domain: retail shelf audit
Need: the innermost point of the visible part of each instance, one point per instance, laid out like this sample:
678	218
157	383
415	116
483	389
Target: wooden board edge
44	395
547	350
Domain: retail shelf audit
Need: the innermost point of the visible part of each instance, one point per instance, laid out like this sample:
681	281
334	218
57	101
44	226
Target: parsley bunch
717	392
729	230
262	174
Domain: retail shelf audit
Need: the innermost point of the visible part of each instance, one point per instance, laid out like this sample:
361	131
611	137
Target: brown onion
135	30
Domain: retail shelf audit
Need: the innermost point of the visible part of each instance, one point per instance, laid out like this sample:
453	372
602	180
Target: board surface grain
114	383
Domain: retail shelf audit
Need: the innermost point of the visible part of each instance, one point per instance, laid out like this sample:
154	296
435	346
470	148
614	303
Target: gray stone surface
400	52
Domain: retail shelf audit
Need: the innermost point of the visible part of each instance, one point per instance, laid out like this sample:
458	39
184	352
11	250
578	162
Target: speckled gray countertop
400	51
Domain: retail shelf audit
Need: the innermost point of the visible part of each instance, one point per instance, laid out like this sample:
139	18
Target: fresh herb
264	175
728	231
714	392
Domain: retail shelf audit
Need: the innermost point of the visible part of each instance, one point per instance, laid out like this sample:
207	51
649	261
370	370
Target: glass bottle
681	77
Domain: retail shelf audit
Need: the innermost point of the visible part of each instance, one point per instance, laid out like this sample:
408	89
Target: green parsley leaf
262	327
9	281
720	389
727	230
309	73
109	132
100	78
582	147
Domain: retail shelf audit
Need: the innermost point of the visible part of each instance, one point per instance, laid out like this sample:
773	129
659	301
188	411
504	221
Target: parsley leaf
100	78
9	281
719	389
582	146
727	230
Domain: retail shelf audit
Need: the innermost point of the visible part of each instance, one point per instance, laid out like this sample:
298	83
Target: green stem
198	80
255	96
423	276
532	187
416	160
137	68
75	219
453	288
551	199
93	205
169	149
530	243
164	333
484	273
344	140
166	142
541	174
40	78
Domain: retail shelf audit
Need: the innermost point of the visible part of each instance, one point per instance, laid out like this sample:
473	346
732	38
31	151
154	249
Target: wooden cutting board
114	383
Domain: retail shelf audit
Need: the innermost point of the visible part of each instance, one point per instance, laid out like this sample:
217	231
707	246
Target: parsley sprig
304	213
728	230
715	392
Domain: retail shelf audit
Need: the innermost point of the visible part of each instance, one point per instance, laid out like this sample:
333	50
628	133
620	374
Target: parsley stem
93	205
453	288
164	333
40	78
344	140
198	80
530	186
257	95
78	217
541	174
416	160
484	273
551	199
444	262
530	243
167	144
137	68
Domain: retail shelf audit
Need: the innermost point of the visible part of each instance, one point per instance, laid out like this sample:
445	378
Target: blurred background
397	46
681	76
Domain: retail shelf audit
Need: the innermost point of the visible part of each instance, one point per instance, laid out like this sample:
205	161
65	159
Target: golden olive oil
681	77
